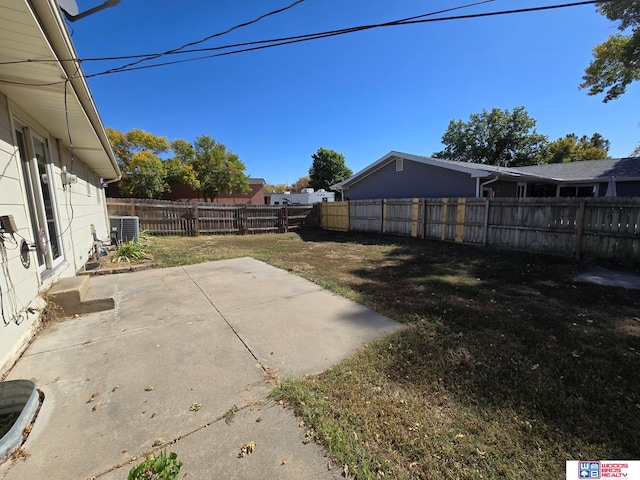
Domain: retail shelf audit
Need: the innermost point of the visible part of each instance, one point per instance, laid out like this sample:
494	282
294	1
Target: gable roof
588	170
475	170
36	31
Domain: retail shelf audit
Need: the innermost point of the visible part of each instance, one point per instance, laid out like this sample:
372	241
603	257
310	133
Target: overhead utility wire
181	49
310	35
313	35
285	40
263	44
202	40
301	38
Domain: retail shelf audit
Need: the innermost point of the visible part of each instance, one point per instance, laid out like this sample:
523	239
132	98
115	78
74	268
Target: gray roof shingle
587	170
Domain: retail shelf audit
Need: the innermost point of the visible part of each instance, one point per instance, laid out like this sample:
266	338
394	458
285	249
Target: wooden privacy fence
162	217
579	227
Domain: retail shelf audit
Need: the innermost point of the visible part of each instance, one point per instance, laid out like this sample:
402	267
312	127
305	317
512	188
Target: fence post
197	220
460	216
383	225
348	216
132	207
242	227
286	218
579	229
415	214
485	222
424	218
443	234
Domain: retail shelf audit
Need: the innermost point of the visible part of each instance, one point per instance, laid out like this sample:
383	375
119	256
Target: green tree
144	176
179	168
498	137
138	154
570	148
328	168
218	170
616	61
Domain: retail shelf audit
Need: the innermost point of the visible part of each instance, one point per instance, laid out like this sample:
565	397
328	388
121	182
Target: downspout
113	180
484	184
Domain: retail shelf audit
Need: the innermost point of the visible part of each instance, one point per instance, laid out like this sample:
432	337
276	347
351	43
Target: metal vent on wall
125	229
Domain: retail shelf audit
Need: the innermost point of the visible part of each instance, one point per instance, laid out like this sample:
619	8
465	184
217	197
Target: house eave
39	88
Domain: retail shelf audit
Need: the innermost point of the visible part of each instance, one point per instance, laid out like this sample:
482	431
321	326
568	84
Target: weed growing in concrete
162	467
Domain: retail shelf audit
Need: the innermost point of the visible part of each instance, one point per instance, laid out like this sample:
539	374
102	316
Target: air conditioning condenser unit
125	229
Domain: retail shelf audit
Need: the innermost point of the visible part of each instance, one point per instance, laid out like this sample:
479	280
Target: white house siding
83	203
415	180
20	286
81	206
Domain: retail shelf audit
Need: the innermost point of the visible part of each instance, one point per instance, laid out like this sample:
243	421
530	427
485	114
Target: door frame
33	184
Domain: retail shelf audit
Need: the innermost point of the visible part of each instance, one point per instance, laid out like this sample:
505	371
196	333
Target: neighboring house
306	197
52	190
403	175
183	193
614	177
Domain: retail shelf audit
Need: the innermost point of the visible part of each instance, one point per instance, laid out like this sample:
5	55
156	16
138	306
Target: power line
181	49
270	43
202	40
264	44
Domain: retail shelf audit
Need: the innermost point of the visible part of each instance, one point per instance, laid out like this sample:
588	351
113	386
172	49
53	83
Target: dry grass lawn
508	369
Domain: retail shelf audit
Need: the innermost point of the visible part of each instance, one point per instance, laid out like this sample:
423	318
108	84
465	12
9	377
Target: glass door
39	188
46	186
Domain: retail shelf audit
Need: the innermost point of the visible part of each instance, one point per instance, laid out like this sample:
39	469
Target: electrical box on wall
8	224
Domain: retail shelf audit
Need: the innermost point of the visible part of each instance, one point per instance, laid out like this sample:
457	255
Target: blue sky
362	94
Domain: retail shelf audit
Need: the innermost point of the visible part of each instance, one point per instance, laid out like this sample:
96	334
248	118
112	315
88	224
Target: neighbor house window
521	190
399	165
576	191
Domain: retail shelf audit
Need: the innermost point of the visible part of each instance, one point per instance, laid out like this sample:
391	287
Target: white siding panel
20	287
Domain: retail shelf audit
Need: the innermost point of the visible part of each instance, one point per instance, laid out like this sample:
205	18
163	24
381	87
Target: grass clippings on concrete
508	369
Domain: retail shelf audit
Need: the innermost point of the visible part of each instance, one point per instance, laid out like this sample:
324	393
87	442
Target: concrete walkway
184	346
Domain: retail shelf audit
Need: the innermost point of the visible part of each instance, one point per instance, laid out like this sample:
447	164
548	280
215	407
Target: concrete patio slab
183	346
